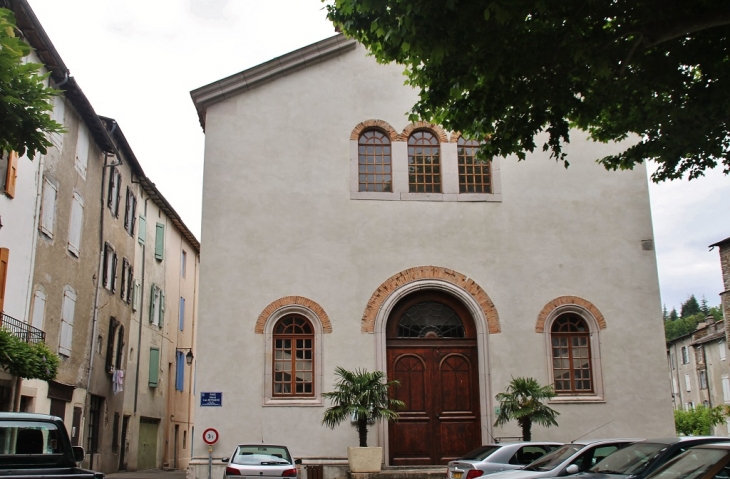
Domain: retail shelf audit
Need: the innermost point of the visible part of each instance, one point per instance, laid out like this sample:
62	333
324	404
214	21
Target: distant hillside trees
692	312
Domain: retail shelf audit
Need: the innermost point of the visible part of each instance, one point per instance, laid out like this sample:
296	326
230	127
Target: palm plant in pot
363	397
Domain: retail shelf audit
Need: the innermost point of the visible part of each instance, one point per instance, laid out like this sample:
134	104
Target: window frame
594	342
571	347
399	167
389	164
294	338
270	399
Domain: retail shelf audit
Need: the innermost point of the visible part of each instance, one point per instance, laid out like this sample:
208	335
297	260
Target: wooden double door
439	383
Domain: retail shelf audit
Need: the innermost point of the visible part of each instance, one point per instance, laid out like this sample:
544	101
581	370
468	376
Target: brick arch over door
425	273
564	301
289	301
379	124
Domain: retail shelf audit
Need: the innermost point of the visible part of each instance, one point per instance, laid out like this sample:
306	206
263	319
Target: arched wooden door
432	352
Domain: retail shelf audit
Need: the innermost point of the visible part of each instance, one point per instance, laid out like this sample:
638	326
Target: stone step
403	472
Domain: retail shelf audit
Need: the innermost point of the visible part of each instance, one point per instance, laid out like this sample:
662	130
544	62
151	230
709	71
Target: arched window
474	175
374	162
571	354
424	164
293	340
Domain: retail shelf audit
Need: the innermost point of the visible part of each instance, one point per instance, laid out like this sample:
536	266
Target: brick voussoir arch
380	124
293	301
568	300
429	273
442	136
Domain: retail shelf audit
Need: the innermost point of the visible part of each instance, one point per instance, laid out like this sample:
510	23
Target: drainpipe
141	312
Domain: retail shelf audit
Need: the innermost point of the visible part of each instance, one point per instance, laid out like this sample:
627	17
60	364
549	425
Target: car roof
589	442
716	445
27	416
258	444
676	439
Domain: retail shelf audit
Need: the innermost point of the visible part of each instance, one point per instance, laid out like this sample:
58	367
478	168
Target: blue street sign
211	399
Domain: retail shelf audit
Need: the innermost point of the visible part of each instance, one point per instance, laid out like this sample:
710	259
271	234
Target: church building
337	233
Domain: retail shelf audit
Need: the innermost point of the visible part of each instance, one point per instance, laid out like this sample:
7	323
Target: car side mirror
224	459
297	461
572	469
79	453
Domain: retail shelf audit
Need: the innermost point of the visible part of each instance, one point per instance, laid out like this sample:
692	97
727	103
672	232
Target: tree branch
684	26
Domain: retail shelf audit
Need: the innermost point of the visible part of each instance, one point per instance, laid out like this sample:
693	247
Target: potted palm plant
362	397
523	402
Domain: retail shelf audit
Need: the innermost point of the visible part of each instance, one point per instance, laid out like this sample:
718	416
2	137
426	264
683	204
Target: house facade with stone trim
452	293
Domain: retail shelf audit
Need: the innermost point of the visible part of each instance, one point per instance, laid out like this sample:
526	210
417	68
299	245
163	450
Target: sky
138	60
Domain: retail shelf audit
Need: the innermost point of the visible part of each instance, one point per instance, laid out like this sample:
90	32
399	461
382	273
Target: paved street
148	474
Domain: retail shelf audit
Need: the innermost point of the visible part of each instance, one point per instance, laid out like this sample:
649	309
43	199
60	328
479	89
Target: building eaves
147	185
720	243
36	37
709	338
251	78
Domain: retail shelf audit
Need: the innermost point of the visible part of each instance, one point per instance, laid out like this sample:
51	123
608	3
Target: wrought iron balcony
24	331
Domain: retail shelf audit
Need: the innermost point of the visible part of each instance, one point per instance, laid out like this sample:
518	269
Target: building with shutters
99	265
338	233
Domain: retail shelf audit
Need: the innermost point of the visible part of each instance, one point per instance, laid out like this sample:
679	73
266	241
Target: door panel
439	384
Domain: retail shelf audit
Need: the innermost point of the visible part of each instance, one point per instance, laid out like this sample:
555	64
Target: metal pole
210	461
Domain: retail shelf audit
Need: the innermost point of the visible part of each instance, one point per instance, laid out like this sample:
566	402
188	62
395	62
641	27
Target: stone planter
365	459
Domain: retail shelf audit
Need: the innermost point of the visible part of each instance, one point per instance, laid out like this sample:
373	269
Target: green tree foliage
678	328
690	307
673	316
523	402
362	395
29	361
698	421
506	71
24	98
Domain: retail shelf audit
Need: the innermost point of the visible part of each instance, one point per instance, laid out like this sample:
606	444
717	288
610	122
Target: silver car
260	460
498	457
567	459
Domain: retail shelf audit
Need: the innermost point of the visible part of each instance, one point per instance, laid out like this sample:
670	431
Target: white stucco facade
280	220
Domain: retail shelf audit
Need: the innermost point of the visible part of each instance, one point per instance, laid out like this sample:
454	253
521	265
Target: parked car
578	456
708	461
37	446
642	458
491	458
260	460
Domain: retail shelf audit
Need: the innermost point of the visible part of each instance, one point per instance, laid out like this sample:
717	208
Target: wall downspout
141	312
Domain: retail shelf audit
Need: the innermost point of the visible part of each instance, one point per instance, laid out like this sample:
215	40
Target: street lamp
189	356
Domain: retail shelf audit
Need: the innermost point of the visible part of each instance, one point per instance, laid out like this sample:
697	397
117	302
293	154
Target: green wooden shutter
152	303
142	237
162	308
160	241
154	367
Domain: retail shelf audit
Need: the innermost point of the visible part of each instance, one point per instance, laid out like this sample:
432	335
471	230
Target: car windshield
25	437
552	460
261	455
631	459
692	464
481	453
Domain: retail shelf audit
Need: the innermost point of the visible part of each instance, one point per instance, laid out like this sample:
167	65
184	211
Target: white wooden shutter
59	111
726	388
77	215
723	353
39	308
82	150
687	382
675	386
48	213
67	322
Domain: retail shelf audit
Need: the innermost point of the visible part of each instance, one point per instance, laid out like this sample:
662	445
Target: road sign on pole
210	436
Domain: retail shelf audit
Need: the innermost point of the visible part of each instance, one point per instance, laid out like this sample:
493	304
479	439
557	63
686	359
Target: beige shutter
82	150
74	234
48	212
39	309
67	322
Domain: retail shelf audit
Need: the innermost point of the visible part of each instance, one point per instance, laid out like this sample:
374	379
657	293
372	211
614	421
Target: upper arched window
374	162
293	357
474	175
424	164
571	354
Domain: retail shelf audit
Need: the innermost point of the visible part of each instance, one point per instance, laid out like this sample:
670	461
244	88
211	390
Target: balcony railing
24	331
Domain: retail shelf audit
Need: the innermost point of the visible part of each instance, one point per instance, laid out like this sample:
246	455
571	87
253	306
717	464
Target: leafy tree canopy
508	70
24	97
29	361
698	421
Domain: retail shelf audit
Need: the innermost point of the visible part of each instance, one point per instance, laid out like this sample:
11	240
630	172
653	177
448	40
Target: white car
491	458
260	461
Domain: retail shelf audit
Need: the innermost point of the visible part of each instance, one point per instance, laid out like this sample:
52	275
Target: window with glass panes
424	164
571	351
374	162
293	357
474	175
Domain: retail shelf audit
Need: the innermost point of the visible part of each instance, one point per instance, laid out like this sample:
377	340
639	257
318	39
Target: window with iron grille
474	175
571	354
95	404
374	162
424	163
293	357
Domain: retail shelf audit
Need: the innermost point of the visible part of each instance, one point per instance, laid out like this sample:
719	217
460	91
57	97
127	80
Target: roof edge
251	78
719	243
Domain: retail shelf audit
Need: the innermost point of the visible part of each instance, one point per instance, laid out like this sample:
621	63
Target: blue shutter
154	367
182	313
160	241
180	377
